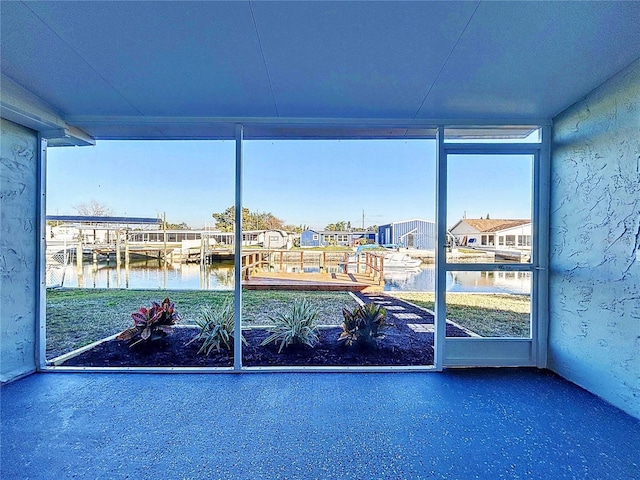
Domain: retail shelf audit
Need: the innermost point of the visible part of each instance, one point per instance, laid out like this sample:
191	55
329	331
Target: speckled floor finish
490	424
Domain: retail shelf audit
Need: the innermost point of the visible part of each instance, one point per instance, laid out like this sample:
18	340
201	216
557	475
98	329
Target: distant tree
370	228
93	208
225	221
295	228
337	227
263	221
487	216
177	226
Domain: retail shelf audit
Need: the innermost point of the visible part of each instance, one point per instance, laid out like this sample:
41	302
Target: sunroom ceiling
194	69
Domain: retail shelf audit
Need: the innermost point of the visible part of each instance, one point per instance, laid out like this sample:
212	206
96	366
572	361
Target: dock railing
369	263
251	261
373	264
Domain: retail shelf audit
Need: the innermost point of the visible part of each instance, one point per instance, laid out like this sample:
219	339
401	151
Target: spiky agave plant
151	324
296	326
216	328
362	326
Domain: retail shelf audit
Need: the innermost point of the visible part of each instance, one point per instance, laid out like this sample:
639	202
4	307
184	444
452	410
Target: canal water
151	275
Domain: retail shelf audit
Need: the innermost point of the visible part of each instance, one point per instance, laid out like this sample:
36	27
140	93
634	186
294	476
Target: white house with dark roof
509	234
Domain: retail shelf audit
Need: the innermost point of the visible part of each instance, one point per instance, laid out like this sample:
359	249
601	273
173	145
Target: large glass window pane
489	304
489	209
481	303
310	205
130	223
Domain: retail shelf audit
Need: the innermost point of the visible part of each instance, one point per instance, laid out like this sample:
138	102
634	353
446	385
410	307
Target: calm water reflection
424	280
151	275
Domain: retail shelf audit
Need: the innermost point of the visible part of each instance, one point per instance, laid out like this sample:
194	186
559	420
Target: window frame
540	250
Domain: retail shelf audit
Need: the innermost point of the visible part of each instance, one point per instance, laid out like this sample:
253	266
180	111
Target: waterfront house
325	238
273	238
276	238
490	234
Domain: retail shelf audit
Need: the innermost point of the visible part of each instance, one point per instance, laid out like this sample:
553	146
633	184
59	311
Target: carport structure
76	73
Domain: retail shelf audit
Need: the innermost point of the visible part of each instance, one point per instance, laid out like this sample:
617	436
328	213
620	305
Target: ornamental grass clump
151	324
296	326
362	326
216	329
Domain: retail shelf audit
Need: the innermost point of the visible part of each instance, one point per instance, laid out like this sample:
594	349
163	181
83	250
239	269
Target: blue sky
302	182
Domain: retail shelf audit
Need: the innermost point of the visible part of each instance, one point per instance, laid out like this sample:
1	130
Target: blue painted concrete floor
460	424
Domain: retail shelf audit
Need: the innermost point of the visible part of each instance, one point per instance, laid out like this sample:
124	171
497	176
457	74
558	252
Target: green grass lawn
78	317
488	315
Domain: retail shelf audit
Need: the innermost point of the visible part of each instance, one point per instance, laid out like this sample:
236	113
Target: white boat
401	276
400	261
392	260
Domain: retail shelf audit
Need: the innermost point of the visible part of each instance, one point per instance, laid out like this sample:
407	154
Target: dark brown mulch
393	349
399	346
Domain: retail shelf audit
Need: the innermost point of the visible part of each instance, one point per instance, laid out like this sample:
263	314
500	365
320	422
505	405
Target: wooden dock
312	281
255	277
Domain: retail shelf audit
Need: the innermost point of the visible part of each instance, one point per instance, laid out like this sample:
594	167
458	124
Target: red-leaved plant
150	324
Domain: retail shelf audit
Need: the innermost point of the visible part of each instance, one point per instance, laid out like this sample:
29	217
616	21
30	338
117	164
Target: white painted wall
18	249
273	239
594	331
522	230
463	231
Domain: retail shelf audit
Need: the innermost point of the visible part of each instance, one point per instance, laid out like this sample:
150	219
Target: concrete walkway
463	424
416	318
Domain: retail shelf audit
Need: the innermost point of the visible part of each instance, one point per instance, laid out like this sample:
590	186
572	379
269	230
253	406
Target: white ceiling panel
35	57
533	59
192	69
356	59
169	58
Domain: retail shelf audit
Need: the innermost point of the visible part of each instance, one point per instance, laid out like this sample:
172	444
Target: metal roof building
420	234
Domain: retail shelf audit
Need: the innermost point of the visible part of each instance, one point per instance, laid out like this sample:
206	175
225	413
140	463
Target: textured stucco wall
18	249
594	331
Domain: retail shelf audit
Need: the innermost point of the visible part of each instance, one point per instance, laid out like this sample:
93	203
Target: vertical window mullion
237	292
41	242
441	239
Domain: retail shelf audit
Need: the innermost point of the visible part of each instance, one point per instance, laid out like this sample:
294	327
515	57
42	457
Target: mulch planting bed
400	345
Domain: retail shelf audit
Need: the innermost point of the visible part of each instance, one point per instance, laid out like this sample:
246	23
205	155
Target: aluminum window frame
539	263
495	351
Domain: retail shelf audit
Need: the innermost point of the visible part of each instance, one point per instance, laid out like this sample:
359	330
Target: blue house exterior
370	237
310	238
322	238
420	234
